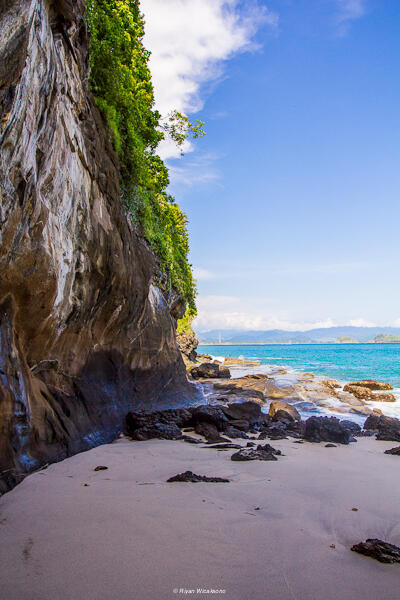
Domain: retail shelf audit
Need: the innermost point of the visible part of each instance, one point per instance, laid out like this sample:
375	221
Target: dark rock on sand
326	429
395	451
330	445
387	428
209	370
354	428
364	433
210	432
100	468
210	414
234	433
279	411
191	440
279	430
162	424
266	452
226	446
382	551
189	476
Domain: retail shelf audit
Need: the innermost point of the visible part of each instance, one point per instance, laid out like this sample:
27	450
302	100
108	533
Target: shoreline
279	530
293	343
308	392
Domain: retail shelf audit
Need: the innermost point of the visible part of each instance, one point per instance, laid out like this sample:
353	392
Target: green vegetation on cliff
121	83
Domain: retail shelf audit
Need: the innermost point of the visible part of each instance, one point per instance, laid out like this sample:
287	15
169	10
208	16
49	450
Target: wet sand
130	535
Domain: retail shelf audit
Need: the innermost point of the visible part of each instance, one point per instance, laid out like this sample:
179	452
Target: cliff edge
86	331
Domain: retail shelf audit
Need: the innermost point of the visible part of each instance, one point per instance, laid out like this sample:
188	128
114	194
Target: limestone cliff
86	331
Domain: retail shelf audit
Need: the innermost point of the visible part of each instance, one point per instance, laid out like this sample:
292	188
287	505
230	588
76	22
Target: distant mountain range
329	334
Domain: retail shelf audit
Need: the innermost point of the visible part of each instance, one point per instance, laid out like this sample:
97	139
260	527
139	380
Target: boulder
247	386
326	429
210	432
373	385
279	411
238	411
382	551
354	428
383	398
331	384
235	433
265	452
204	358
360	392
161	424
210	414
387	428
210	370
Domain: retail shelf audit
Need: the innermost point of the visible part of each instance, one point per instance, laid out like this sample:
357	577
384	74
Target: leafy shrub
120	80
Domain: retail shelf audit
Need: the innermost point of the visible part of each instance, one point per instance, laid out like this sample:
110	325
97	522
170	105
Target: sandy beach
129	534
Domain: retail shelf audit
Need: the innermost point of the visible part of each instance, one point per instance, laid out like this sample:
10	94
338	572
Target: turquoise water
346	362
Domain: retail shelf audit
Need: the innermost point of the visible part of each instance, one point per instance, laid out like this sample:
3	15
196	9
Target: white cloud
361	323
189	41
348	11
225	312
202	274
195	170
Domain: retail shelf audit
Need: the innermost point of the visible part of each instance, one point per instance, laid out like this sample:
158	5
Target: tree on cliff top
120	80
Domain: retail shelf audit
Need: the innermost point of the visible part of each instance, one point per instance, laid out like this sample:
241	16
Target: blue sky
293	195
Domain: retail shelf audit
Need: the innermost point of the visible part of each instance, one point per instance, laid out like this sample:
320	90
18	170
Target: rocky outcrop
326	429
374	386
360	392
387	428
229	362
87	331
188	343
209	370
283	411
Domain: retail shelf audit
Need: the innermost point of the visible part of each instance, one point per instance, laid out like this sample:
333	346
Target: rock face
86	331
188	343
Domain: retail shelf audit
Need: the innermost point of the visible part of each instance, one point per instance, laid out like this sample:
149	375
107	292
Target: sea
344	362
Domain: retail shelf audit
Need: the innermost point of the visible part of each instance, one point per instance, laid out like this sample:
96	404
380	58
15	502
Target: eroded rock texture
86	334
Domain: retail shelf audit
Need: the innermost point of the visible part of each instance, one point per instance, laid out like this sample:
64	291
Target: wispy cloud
202	274
231	312
234	312
347	12
198	169
190	40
